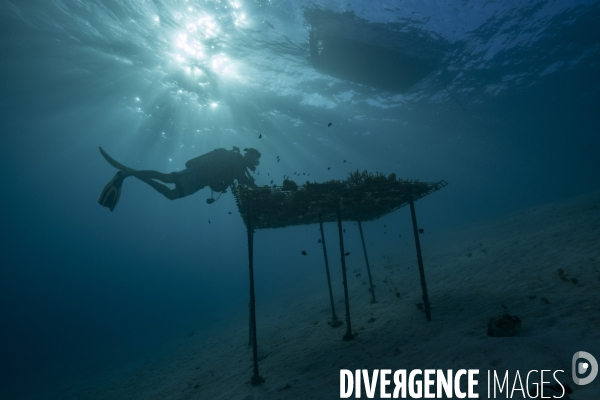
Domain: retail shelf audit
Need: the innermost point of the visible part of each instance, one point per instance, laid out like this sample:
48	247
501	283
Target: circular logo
582	368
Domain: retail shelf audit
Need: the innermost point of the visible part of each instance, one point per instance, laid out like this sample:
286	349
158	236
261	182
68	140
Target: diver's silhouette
217	169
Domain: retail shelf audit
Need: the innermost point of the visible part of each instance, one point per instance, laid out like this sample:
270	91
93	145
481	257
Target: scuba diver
217	169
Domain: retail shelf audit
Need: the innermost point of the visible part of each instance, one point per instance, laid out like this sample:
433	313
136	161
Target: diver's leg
148	176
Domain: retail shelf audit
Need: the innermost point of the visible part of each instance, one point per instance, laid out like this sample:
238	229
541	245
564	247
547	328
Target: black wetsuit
219	168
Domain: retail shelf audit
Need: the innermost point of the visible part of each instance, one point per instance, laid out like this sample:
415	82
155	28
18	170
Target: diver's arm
245	179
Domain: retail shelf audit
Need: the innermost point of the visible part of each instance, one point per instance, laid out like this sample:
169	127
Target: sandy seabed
540	264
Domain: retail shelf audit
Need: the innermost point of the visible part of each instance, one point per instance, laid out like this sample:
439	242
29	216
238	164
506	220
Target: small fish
399	235
268	174
209	221
358	275
347	253
303	253
229	212
278	160
344	230
384	225
271	180
329	124
344	160
421	230
259	136
303	173
319	240
328	168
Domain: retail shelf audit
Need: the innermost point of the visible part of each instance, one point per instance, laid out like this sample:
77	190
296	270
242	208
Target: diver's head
252	157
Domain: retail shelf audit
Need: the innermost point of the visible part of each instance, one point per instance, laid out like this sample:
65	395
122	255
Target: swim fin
114	162
112	192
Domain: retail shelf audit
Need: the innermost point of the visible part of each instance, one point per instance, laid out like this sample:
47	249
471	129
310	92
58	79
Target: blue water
507	114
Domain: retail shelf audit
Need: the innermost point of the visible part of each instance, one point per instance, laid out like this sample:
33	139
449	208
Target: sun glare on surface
200	45
201	48
219	63
199	68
